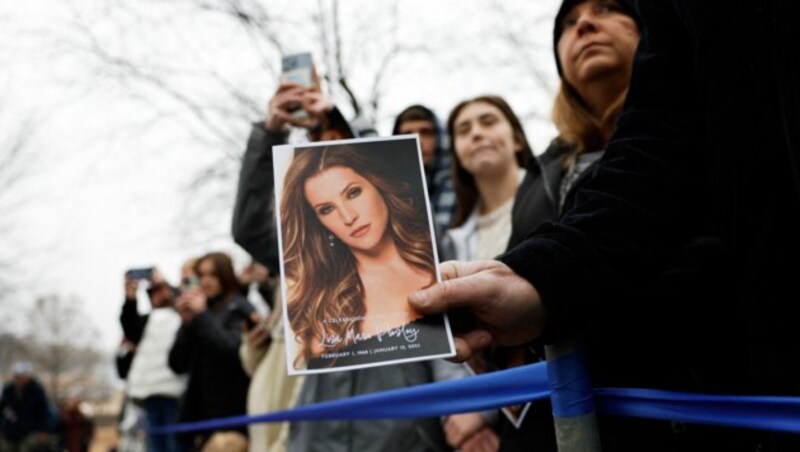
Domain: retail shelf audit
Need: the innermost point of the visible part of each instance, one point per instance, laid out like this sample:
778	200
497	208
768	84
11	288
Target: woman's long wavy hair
223	267
576	124
578	127
325	293
463	182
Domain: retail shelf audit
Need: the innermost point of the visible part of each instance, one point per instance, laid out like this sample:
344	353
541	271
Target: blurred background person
76	428
421	120
25	413
263	352
151	383
206	347
490	153
258	285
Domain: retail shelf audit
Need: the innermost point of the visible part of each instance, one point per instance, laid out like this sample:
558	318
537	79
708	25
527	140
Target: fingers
287	95
291	96
485	440
452	433
258	336
156	277
288	86
193	301
464	285
317	104
459	427
470	344
130	287
449	270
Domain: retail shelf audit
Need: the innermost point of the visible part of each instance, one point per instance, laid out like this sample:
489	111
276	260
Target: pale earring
330	239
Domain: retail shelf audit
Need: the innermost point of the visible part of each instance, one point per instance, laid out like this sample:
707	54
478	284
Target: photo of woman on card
356	242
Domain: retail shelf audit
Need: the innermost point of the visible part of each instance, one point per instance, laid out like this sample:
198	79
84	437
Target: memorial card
356	238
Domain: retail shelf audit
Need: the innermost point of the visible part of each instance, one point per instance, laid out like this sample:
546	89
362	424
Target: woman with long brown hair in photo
356	243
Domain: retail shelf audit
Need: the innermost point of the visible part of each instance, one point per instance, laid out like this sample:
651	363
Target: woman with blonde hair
593	43
356	243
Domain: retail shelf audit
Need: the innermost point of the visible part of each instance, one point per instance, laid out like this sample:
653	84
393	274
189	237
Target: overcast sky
108	163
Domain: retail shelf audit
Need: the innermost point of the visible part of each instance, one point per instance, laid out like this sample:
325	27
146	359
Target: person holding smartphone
207	344
151	383
271	388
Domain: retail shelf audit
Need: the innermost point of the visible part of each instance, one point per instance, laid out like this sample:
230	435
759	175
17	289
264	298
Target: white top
150	374
494	230
483	236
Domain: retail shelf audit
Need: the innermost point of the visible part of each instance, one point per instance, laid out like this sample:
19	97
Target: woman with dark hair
421	120
490	151
356	243
207	345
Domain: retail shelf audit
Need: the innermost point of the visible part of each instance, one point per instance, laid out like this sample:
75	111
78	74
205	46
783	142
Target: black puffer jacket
207	348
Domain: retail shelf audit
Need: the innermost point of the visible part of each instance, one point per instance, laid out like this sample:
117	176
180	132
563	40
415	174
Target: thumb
441	297
462	287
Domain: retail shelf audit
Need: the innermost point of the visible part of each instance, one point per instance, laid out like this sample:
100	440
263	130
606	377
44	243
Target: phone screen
189	283
138	274
297	68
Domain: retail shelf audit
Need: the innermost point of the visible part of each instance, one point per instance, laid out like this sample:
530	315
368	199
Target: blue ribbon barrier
524	384
751	412
571	389
482	392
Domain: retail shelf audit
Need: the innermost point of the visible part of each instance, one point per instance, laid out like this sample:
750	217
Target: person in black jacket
207	344
25	416
421	120
602	76
706	143
254	228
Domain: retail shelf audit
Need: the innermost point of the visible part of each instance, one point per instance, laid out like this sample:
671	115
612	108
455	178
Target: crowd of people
182	359
652	227
31	422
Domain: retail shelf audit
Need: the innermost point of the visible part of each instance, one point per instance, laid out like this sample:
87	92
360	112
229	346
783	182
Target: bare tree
12	349
213	104
60	340
207	67
16	164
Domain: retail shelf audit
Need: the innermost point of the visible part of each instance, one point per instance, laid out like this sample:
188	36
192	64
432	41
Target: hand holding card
356	239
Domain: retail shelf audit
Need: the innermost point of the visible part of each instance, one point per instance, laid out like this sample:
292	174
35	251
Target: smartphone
246	315
139	274
298	68
190	283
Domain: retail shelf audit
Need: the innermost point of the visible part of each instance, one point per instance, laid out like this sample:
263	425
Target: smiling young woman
490	151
